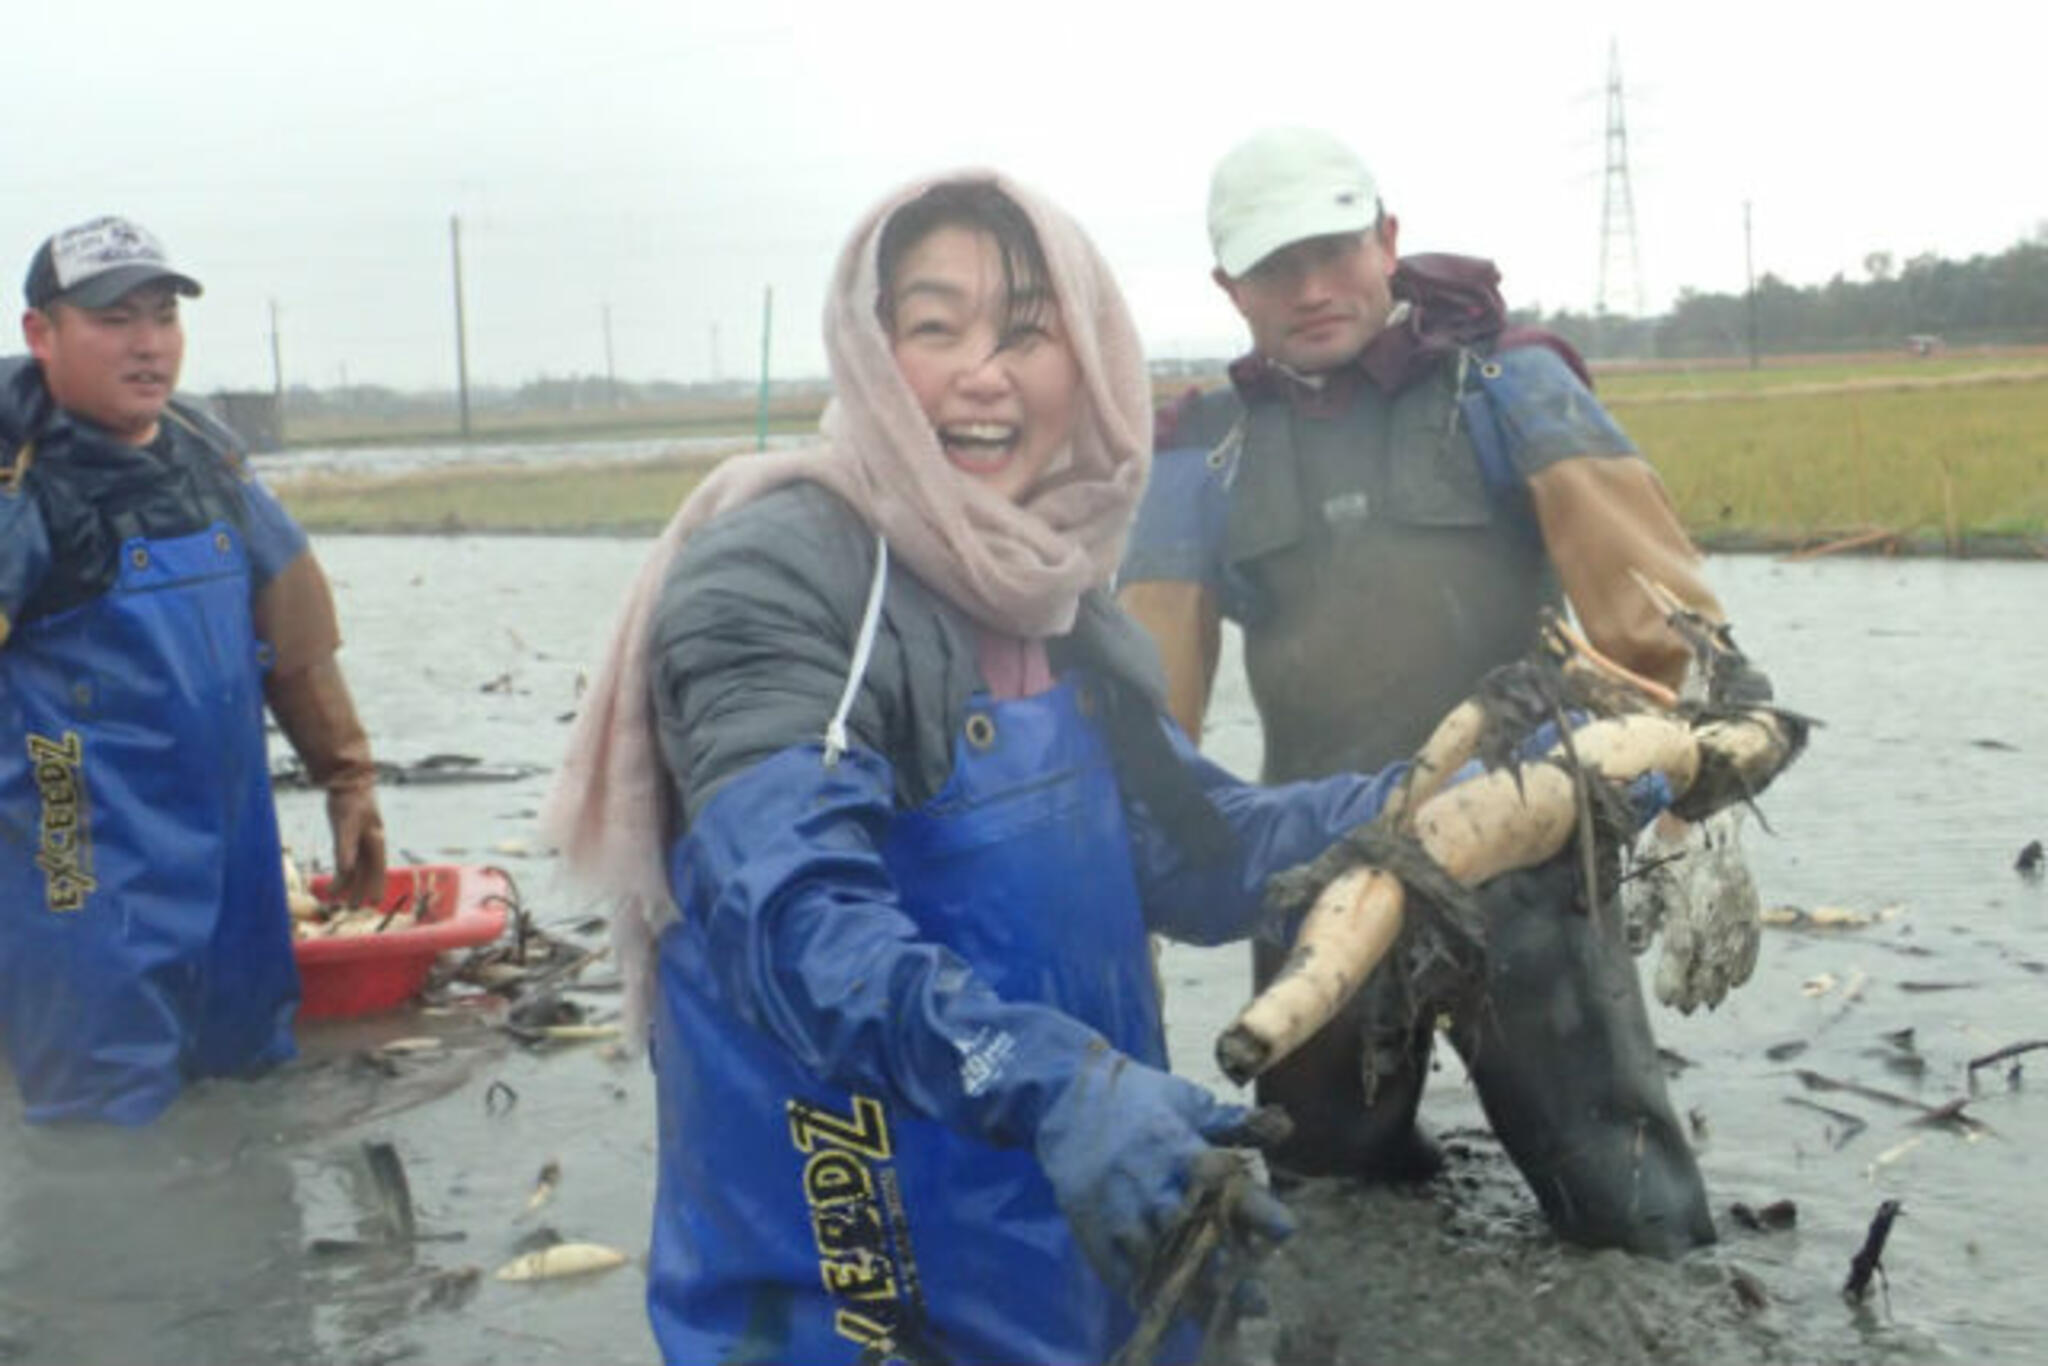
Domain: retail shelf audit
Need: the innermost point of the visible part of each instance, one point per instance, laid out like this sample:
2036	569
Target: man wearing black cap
1389	493
153	598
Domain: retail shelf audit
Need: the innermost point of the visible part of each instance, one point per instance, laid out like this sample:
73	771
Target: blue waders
144	937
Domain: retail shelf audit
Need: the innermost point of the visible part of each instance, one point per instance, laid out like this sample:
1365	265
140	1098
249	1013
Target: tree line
1925	304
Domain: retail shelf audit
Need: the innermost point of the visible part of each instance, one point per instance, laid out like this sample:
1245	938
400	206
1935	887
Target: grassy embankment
787	413
617	499
1948	453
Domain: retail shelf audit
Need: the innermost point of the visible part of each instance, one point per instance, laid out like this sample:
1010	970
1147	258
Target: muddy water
200	1239
1912	804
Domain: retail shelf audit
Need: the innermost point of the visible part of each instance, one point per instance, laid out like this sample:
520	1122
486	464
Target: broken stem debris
1869	1259
2011	1050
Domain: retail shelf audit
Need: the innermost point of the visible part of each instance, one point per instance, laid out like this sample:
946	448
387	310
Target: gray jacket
754	635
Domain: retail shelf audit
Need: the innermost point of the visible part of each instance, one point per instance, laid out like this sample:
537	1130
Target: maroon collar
1454	303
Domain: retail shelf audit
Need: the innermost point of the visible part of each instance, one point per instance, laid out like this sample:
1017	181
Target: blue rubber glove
1124	1146
1274	827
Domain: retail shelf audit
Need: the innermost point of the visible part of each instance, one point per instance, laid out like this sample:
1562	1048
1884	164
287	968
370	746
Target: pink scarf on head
1018	569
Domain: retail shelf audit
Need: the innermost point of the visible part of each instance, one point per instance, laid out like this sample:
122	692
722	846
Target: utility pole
767	326
276	361
276	376
461	326
715	375
611	377
1618	251
1749	268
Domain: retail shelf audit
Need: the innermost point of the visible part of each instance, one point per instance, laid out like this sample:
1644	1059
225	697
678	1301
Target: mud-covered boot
1352	1091
1560	1049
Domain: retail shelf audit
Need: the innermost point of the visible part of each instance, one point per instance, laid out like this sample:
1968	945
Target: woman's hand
1129	1150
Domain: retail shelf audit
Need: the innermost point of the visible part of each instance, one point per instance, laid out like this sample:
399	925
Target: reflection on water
191	1241
100	1229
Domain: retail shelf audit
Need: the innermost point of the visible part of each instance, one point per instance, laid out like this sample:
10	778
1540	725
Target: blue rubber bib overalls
144	937
796	1221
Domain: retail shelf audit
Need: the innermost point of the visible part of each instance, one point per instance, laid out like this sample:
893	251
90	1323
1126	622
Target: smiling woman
880	779
977	334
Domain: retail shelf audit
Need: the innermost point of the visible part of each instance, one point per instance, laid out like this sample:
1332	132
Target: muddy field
220	1235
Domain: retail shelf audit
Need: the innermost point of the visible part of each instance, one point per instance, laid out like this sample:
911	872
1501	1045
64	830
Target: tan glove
316	713
1604	520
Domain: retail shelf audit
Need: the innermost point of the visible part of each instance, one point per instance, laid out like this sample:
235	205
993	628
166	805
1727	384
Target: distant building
257	417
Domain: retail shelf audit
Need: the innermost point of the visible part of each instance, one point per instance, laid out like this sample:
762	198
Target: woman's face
1003	406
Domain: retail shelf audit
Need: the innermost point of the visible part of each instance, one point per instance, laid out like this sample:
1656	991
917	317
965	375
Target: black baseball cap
97	263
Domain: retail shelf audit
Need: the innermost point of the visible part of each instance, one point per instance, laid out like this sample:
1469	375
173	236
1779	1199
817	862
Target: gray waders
1558	1044
1381	582
1560	1049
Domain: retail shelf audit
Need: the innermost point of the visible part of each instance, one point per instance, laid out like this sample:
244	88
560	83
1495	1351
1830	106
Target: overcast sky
669	160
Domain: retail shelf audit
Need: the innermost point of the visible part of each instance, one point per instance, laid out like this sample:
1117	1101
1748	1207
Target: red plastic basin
361	974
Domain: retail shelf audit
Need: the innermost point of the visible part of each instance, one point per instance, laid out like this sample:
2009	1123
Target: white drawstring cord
871	619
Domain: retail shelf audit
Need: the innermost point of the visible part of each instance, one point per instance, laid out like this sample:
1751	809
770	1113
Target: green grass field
1696	380
1957	459
1942	453
568	499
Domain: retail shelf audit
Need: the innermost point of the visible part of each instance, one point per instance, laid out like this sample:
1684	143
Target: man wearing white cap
1389	492
153	598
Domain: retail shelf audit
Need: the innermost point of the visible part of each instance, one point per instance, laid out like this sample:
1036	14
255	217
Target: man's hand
358	845
1696	889
317	715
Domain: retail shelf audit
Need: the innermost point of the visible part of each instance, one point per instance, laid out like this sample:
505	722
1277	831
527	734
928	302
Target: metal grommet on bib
981	730
139	558
221	542
1490	370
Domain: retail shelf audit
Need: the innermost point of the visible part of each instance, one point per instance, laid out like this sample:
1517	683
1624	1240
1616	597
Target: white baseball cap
1284	185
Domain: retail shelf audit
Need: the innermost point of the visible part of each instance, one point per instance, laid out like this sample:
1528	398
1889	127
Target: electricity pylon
1621	266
